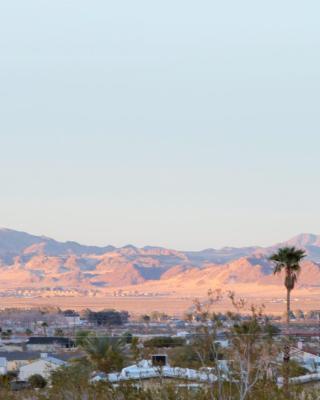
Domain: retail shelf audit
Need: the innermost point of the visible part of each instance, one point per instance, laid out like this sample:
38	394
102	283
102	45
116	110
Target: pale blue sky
176	123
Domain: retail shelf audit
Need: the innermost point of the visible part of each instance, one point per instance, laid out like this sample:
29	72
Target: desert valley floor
173	305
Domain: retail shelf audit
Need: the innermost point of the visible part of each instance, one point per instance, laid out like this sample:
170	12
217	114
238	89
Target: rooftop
51	340
145	370
34	355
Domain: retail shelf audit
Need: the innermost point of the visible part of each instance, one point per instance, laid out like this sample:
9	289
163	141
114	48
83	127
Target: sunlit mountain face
37	261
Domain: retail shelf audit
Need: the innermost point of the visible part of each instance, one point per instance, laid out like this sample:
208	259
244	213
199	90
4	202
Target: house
183	334
16	359
72	318
308	358
44	366
49	343
222	342
298	380
152	370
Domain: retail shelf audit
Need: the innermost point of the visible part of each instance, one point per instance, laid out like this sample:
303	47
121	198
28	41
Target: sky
174	123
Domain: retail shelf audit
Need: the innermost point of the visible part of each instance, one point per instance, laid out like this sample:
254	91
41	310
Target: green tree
135	349
44	326
186	356
6	334
287	260
127	337
69	382
145	318
164	341
104	353
58	332
81	337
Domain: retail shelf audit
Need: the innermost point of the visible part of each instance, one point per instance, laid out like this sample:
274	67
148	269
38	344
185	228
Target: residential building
43	366
72	318
49	343
16	359
151	370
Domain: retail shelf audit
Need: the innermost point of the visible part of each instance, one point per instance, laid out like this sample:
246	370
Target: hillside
28	261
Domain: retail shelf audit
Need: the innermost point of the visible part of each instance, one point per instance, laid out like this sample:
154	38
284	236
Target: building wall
3	370
73	321
41	367
42	347
14	365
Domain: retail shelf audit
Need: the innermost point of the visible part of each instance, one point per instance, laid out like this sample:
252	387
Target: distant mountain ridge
14	242
29	261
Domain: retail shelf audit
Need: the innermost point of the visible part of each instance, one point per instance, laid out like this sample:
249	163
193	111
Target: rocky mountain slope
28	261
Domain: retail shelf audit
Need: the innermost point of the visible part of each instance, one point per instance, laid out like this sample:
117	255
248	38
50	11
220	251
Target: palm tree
44	327
287	259
106	354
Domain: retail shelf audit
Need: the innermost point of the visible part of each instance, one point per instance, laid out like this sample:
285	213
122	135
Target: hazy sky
188	124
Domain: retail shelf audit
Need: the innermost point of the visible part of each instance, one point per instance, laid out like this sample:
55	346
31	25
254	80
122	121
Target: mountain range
29	261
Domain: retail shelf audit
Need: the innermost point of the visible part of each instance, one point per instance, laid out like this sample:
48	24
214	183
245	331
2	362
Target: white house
223	343
310	360
147	369
144	370
16	359
307	358
72	318
43	366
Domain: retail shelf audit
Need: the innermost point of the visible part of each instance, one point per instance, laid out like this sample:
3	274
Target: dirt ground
173	305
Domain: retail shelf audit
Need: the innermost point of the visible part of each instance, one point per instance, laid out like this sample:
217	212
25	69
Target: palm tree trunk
288	310
286	353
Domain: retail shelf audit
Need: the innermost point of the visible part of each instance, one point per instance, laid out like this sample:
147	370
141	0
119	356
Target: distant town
111	349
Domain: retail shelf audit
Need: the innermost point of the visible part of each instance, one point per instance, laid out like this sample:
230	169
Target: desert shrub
37	381
59	332
164	341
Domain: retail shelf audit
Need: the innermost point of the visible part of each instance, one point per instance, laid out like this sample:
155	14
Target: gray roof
47	340
34	355
20	355
67	356
53	360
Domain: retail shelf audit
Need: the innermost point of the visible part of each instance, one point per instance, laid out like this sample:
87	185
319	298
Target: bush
82	337
59	332
164	341
127	336
7	378
185	357
6	334
37	381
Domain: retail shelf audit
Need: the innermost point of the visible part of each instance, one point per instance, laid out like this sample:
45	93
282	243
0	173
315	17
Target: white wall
42	367
3	366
